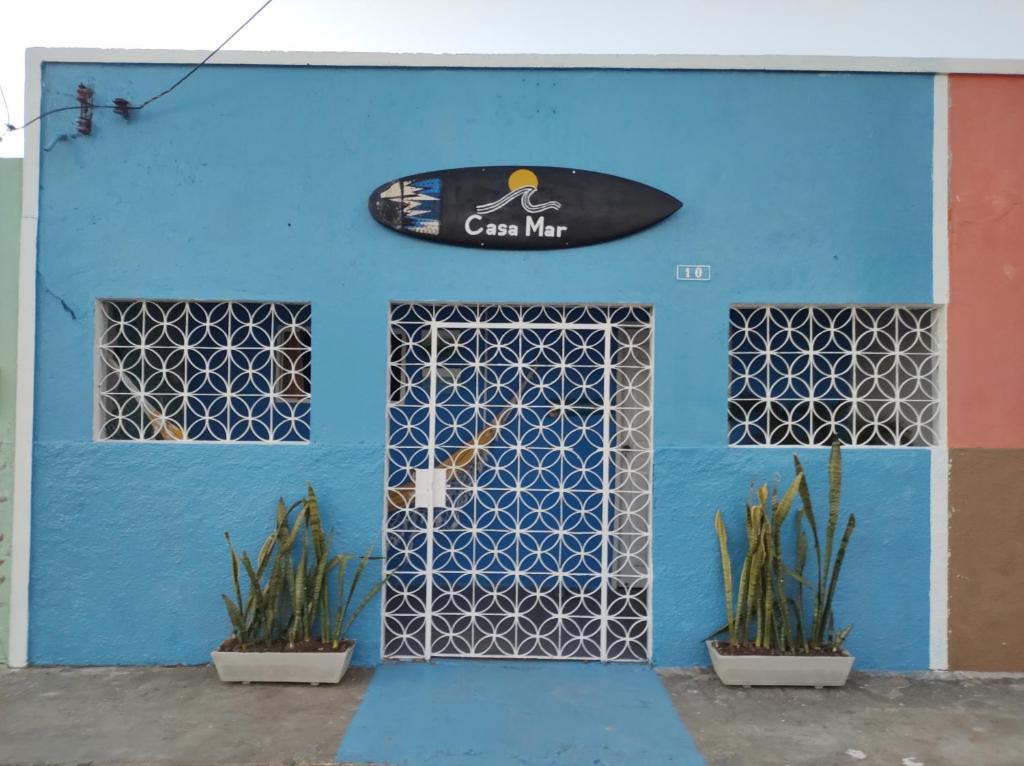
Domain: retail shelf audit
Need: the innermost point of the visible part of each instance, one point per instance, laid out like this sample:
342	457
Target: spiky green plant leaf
835	482
834	579
723	549
840	638
235	617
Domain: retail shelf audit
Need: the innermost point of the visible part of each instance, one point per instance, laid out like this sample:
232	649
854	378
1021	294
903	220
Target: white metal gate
517	511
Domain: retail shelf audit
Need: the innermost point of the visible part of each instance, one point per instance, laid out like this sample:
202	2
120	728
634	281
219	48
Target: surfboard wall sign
519	208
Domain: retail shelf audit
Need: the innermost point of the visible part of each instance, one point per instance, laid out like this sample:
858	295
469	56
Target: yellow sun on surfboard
522	177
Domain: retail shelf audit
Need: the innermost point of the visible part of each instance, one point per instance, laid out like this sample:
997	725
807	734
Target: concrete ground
180	715
903	720
185	716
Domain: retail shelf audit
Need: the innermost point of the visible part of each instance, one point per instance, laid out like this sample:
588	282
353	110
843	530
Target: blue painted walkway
471	713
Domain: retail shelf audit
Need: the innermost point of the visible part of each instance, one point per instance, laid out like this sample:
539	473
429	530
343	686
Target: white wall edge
764	62
938	627
938	623
940	191
21	532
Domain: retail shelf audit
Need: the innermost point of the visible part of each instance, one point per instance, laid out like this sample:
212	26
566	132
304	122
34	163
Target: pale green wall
10	224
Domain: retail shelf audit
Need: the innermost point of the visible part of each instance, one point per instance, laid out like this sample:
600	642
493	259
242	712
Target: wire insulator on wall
84	98
123	107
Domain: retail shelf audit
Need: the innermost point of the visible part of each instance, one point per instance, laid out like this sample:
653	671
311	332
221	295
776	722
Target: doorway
518	487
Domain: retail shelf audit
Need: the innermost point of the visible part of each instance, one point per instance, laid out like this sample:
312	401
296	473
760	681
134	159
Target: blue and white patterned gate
518	482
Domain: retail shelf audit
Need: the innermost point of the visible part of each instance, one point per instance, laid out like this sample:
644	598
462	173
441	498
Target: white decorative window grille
811	375
203	371
535	424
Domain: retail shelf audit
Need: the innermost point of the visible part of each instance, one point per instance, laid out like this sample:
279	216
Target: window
203	371
810	375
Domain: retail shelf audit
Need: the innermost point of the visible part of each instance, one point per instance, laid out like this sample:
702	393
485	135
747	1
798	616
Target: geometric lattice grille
811	375
201	371
539	420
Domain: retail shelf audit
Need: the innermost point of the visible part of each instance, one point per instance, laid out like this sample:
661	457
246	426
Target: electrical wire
7	110
129	107
196	68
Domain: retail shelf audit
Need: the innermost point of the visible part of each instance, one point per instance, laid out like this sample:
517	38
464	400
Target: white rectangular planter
282	667
758	670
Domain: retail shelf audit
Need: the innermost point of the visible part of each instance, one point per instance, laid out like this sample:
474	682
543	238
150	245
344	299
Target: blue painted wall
250	183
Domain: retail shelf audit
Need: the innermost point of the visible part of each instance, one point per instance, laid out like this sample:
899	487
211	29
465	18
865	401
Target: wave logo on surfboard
522	184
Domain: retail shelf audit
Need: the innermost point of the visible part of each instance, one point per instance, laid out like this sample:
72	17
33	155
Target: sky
913	28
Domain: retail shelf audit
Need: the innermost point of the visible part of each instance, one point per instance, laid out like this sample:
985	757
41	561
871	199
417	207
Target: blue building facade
249	184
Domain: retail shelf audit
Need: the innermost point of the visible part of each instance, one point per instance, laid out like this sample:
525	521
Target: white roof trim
35	56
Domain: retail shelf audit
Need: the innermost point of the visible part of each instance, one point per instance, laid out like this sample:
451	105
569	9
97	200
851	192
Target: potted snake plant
290	625
780	628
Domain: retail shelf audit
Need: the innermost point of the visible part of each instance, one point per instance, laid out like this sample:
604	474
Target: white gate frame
608	329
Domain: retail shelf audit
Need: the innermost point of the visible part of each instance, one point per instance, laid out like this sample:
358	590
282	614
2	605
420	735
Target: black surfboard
514	207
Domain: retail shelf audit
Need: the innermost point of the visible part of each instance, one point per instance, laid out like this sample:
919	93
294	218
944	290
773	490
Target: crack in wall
64	304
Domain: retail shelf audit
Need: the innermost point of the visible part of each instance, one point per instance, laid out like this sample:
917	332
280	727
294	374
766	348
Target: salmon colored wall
986	372
986	261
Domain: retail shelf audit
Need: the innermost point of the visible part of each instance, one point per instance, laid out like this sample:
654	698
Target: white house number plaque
693	273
